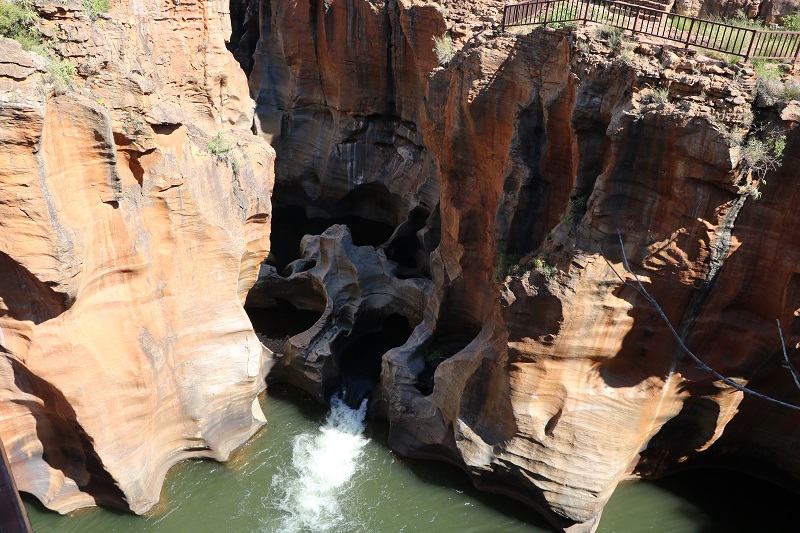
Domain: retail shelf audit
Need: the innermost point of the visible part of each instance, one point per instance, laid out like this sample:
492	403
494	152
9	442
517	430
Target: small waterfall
323	463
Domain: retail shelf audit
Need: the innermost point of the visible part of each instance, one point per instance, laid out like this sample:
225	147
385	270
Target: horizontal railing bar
708	34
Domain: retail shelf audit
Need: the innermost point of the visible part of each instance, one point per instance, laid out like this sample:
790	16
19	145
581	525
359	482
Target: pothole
291	222
276	325
360	359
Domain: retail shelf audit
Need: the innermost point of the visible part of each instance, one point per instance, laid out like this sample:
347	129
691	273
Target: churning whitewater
323	463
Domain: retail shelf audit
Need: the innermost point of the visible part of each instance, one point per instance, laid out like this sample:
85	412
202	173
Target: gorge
436	238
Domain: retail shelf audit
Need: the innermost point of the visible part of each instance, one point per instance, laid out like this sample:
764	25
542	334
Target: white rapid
323	463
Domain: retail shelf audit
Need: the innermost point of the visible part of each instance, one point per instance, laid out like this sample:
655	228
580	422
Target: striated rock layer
126	252
554	383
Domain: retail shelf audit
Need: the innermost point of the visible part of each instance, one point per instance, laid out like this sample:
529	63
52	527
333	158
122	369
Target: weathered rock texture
555	384
768	10
126	252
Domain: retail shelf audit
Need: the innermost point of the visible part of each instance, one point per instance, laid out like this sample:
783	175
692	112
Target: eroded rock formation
555	383
126	252
405	191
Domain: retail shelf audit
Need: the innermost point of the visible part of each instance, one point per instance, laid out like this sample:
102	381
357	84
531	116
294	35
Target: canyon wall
126	252
506	175
450	225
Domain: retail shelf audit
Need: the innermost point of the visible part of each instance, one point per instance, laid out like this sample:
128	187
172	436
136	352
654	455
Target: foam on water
323	463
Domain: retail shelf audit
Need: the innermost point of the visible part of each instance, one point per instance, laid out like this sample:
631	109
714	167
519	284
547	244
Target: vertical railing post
586	11
689	36
750	46
797	51
546	9
503	21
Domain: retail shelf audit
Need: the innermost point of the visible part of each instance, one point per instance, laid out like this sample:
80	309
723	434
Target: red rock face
550	385
126	253
127	249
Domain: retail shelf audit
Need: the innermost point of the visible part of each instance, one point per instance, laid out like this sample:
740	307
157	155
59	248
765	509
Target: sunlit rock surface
126	252
453	224
556	382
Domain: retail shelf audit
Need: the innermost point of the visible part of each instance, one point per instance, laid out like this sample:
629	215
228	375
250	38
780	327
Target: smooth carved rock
558	383
126	253
355	288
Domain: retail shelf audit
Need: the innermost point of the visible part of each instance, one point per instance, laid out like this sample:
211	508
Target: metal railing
743	41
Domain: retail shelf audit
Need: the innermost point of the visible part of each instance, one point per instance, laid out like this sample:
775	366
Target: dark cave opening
245	31
455	330
290	224
276	325
360	360
370	212
443	344
406	249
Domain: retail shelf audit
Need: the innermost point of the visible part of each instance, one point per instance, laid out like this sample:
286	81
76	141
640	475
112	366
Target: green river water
308	473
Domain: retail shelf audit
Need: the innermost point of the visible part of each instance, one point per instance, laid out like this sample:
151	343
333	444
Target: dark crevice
681	437
290	224
453	332
370	212
245	31
135	165
406	247
165	129
442	346
24	296
527	222
276	325
361	353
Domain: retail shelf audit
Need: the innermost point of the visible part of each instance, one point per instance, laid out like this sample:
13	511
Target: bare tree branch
788	364
639	288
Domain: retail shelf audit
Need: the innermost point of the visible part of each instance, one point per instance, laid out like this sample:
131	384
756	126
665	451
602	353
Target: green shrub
615	36
753	191
541	265
791	22
236	165
443	46
791	91
567	218
219	147
762	153
16	18
18	22
61	73
575	209
506	264
656	95
93	8
769	85
626	56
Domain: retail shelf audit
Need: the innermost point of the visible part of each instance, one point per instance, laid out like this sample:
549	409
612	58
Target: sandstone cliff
126	251
443	224
555	383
